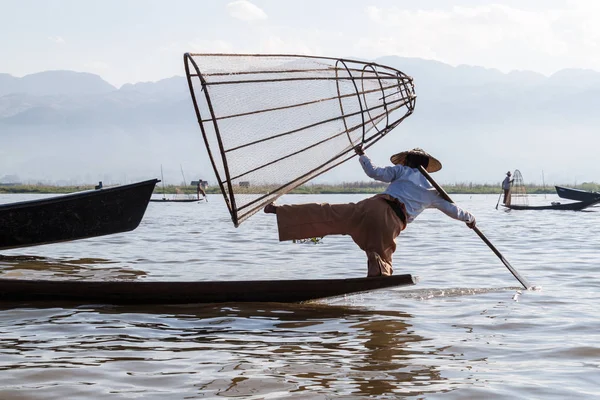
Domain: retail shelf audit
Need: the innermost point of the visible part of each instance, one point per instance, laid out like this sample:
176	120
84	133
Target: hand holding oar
443	193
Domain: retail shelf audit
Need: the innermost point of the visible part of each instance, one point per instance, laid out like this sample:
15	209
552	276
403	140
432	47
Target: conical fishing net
518	194
272	122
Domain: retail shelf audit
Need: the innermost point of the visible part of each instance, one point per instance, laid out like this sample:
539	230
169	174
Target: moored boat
165	200
576	194
576	206
148	292
74	216
519	200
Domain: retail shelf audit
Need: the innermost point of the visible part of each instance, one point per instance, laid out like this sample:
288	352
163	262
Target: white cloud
56	39
492	35
245	11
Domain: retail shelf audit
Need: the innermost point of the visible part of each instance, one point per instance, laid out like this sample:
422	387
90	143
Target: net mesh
273	122
518	194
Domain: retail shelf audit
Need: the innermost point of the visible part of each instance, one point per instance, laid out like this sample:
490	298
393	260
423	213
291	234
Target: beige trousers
507	197
371	223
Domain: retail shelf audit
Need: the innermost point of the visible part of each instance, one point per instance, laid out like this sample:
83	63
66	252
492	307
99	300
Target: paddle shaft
444	195
498	200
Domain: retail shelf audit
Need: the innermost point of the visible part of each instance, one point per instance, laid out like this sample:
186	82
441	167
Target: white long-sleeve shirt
411	187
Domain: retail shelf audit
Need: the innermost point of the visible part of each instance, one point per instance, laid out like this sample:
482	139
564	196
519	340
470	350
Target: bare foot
270	209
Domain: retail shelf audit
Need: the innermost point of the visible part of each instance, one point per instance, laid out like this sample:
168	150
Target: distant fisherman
373	223
506	187
200	190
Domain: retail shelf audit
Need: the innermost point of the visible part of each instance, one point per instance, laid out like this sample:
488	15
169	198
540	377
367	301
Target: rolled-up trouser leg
303	221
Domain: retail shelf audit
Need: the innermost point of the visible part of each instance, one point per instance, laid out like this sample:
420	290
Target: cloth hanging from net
518	194
273	122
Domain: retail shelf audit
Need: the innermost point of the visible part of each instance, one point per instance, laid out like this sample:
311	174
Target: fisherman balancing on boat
200	190
375	222
506	188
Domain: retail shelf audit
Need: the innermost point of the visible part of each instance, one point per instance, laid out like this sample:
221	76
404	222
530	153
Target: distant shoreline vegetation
311	188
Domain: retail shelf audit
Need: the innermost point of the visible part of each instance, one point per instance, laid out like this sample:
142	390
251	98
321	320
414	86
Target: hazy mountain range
75	127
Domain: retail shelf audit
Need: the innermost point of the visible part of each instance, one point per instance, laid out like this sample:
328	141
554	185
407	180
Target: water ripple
466	330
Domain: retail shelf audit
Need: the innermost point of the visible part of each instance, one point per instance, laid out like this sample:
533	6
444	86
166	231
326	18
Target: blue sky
128	41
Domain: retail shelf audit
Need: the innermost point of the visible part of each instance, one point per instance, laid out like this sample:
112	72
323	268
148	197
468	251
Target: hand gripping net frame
272	122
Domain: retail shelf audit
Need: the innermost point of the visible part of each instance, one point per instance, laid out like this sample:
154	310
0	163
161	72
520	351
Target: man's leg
377	235
305	221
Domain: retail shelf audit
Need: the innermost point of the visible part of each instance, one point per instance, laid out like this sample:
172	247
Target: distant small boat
145	292
165	200
576	194
577	206
519	200
173	199
74	216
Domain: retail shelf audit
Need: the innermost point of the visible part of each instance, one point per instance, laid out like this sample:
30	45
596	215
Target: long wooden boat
139	292
576	194
74	216
175	200
577	206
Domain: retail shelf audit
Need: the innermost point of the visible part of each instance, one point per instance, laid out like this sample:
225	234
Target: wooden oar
498	200
443	193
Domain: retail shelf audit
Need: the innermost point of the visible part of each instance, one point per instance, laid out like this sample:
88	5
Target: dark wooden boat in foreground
74	216
576	194
138	292
577	206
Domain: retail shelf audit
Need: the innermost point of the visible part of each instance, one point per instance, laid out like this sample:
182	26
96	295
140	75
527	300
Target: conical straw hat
400	158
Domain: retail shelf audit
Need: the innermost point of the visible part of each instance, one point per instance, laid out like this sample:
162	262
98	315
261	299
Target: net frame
518	194
375	121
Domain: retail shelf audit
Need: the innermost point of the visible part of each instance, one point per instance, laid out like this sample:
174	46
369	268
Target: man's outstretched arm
386	174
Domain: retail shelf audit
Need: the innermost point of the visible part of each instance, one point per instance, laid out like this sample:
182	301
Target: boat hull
174	200
74	216
576	194
127	292
578	206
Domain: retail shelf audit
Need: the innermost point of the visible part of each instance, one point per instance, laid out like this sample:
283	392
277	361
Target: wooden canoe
175	200
577	206
576	194
147	292
74	216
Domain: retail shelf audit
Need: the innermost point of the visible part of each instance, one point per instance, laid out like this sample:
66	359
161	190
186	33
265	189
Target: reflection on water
226	350
36	267
466	330
423	294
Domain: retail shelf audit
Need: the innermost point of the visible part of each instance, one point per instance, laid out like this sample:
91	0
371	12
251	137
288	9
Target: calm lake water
466	330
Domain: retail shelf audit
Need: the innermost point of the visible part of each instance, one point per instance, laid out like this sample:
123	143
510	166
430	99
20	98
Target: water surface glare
466	330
